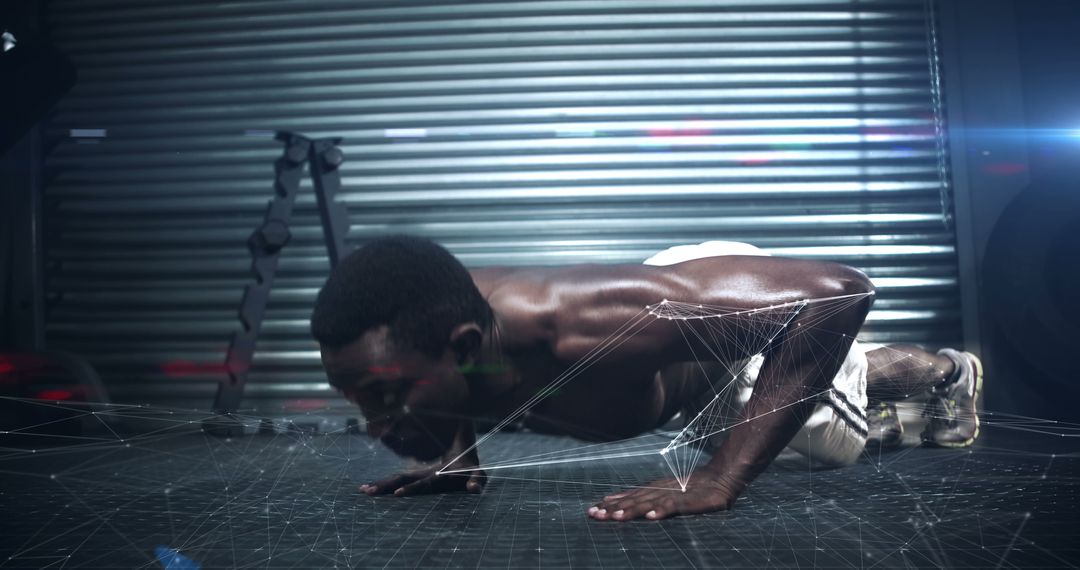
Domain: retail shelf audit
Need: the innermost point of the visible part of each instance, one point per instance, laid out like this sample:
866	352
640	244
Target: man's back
569	310
550	319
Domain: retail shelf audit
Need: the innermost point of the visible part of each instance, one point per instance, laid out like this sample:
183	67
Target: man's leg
952	378
900	371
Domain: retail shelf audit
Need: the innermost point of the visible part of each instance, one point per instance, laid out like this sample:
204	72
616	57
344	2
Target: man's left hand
705	492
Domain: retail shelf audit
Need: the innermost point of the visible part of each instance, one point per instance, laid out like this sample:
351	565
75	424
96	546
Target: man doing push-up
423	345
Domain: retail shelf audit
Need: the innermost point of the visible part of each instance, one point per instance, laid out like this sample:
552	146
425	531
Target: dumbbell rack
323	158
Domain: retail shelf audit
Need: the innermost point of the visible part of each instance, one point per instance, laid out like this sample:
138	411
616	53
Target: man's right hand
461	455
427	480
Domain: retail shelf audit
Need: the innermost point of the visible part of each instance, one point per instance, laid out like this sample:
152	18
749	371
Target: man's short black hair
412	284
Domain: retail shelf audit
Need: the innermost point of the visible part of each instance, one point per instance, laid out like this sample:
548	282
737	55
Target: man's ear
465	340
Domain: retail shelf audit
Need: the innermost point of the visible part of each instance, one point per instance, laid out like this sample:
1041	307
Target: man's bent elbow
843	280
855	282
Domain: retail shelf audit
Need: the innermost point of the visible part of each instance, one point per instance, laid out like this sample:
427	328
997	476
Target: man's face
410	400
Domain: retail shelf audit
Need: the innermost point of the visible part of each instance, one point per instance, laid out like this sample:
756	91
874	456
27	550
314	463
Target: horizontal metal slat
863	99
284	26
220	47
330	84
533	61
417	156
134	10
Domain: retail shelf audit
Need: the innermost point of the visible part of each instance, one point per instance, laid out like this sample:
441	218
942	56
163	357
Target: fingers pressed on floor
389	484
374	488
413	488
661	510
622	507
639	496
634	512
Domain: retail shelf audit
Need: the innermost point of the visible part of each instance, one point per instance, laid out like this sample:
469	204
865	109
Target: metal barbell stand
323	158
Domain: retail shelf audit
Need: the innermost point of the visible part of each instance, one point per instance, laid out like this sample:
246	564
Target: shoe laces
878	415
943	411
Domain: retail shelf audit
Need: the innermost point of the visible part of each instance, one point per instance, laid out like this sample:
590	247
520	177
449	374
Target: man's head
396	322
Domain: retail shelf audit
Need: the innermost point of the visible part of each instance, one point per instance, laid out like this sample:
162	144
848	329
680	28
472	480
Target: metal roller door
520	132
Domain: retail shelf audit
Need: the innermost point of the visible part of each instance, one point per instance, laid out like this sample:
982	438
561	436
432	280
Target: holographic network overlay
255	482
728	335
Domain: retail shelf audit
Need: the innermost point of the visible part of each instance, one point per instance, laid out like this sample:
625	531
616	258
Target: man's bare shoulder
694	277
544	287
572	305
522	302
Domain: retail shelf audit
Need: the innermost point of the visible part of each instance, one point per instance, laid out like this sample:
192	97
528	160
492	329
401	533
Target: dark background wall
1047	216
1012	81
24	95
513	133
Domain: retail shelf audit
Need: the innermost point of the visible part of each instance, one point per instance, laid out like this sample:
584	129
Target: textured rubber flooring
290	501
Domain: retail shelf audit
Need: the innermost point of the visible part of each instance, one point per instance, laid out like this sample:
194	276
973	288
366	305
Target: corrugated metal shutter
528	132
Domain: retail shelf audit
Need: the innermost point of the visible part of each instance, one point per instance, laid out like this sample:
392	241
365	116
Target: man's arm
798	367
799	364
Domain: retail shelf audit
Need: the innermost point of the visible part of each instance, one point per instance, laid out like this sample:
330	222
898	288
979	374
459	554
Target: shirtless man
422	345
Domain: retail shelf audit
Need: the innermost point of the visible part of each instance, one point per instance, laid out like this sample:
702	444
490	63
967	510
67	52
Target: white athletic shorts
835	433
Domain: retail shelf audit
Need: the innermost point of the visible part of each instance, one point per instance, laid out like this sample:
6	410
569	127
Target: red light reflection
54	395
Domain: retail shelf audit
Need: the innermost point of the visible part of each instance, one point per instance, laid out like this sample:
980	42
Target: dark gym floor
290	501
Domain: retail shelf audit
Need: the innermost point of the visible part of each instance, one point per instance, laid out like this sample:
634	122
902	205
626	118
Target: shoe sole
978	392
885	444
888	440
